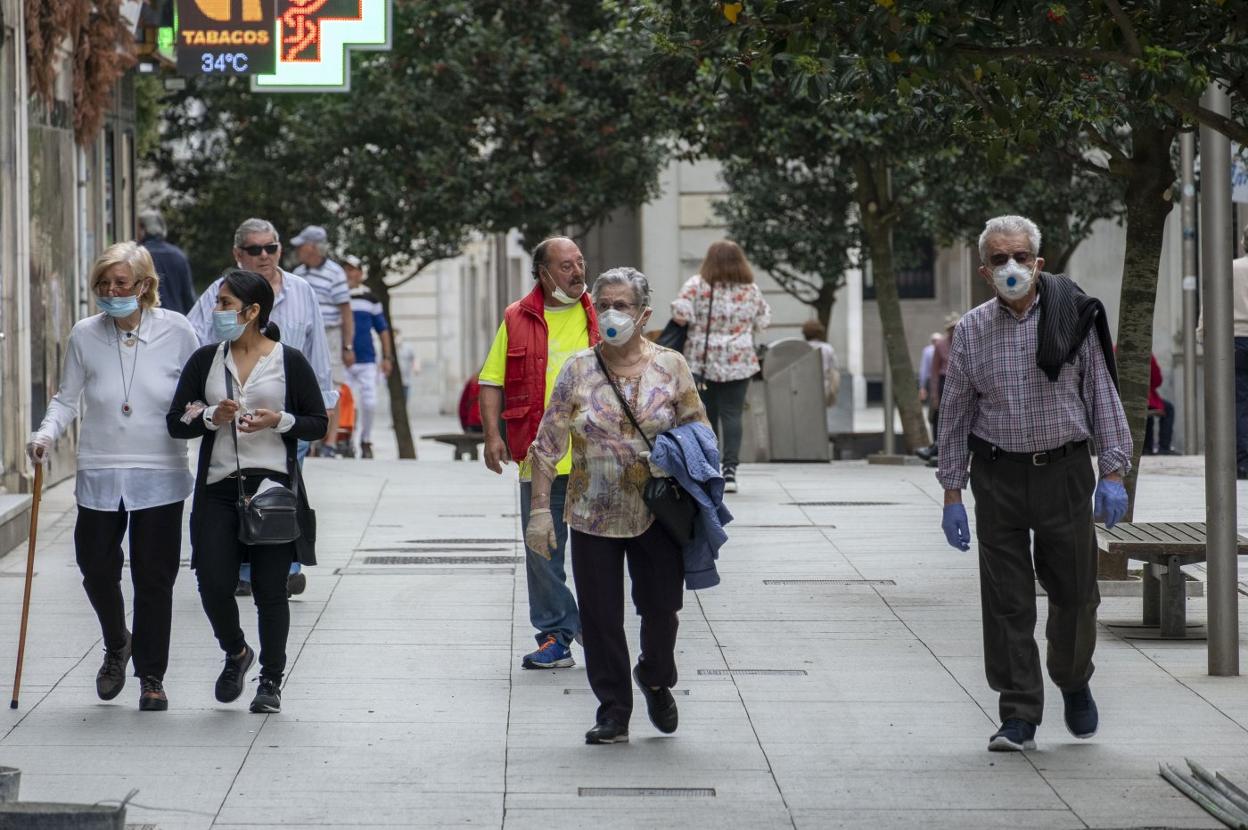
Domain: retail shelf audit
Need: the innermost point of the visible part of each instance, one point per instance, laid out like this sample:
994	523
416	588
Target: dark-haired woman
249	436
120	369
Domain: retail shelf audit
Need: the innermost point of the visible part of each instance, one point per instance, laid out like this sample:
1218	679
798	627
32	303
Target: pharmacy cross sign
315	38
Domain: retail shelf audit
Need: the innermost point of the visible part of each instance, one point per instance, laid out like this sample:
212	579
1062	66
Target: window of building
915	269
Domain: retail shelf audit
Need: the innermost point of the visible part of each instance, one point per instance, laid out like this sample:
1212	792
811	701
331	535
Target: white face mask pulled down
1013	280
560	296
616	327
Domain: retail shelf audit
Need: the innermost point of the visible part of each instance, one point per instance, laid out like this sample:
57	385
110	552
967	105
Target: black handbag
672	506
271	517
674	336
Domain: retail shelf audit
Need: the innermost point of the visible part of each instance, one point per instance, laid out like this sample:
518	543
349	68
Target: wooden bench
1164	547
465	443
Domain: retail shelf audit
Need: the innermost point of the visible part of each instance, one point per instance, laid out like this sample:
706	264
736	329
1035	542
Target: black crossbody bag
671	505
271	517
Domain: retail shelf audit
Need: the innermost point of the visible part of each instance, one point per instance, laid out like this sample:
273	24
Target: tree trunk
394	383
878	213
823	304
1150	176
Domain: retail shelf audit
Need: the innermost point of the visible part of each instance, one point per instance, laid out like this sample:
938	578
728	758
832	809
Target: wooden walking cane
30	573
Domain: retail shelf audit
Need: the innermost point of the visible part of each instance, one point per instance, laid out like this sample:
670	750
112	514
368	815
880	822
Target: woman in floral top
609	521
723	293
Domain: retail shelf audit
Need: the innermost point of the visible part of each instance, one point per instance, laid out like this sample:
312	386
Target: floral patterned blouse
608	472
738	311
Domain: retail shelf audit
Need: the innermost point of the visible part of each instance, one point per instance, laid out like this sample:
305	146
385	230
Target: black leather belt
1037	459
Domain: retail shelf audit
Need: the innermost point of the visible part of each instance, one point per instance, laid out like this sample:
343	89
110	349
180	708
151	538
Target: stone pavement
804	704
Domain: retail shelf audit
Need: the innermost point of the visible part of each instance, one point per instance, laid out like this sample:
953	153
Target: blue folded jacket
690	455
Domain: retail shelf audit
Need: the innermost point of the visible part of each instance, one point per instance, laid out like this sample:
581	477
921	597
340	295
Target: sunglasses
255	250
1021	257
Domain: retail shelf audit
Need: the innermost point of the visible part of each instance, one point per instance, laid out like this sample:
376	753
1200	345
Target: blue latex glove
957	528
1110	501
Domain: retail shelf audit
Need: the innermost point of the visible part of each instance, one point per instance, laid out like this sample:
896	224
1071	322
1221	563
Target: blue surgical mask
118	306
225	325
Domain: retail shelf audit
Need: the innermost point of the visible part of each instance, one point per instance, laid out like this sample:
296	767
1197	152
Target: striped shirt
329	282
296	312
994	390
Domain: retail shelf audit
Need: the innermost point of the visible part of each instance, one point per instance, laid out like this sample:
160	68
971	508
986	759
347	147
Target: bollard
36	815
10	782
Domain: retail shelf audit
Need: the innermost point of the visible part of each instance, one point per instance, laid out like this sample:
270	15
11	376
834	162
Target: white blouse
124	461
265	389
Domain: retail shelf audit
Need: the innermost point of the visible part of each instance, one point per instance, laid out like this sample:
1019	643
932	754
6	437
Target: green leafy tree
483	117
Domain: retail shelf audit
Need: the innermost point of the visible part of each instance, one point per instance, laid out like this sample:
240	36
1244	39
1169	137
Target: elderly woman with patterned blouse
609	521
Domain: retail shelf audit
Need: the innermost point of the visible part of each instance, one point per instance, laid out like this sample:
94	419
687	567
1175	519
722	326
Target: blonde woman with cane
121	369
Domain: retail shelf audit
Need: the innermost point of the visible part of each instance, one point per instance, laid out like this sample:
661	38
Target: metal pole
890	439
1191	433
1220	507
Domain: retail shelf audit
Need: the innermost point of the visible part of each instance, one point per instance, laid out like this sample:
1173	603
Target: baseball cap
312	233
353	261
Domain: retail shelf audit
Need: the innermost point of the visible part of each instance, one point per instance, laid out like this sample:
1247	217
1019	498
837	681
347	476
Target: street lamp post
1220	461
1187	147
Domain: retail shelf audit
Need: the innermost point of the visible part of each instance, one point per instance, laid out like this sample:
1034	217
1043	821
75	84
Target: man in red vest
537	336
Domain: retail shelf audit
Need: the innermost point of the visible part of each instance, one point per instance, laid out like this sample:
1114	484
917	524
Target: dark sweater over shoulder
1067	314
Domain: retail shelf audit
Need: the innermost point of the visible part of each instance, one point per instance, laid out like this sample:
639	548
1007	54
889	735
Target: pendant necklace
126	409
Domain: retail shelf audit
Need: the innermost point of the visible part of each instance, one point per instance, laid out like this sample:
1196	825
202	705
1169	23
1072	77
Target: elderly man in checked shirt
1029	390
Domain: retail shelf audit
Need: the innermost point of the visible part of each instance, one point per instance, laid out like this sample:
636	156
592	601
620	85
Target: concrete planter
10	782
35	815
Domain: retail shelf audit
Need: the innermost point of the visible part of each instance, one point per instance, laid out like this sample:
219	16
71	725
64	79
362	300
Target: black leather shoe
660	706
607	732
152	698
230	683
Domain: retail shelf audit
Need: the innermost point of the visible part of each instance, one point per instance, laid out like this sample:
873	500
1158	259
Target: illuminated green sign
315	39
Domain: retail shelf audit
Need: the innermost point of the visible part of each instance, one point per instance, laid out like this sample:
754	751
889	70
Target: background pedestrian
369	317
177	290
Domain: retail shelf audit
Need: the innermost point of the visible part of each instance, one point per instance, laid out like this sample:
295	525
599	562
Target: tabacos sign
226	37
284	45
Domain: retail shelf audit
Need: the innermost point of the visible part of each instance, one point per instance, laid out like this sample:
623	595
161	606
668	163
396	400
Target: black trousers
155	548
217	557
1013	501
725	409
657	571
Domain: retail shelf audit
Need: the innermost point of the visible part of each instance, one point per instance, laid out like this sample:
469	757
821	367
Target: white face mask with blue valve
616	327
1013	280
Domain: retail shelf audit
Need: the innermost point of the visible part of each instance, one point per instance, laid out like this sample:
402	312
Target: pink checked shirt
995	390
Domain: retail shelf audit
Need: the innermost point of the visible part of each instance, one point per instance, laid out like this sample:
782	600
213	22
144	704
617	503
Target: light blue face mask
118	306
225	325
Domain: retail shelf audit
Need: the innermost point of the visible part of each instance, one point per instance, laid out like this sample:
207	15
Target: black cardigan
303	400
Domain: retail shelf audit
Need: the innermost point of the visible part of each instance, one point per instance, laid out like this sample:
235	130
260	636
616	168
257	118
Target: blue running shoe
1015	735
1081	715
549	655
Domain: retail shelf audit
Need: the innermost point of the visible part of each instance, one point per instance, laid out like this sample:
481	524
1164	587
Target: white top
112	446
265	389
297	313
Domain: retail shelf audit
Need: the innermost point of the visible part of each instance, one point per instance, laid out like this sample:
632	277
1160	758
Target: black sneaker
268	699
660	705
111	678
730	479
242	589
230	683
366	450
607	732
345	449
1015	735
296	583
1082	718
152	697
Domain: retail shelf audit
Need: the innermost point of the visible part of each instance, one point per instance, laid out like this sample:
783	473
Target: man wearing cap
369	317
329	282
935	380
1030	389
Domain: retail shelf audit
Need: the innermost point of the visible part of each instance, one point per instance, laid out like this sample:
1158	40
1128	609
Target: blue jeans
552	608
244	570
1241	402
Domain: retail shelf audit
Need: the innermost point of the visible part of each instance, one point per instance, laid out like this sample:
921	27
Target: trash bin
796	413
10	782
755	442
34	815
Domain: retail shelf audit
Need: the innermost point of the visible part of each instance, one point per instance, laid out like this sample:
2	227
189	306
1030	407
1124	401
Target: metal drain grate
423	571
646	792
406	549
440	560
782	527
768	672
677	692
829	582
842	503
142	827
461	515
461	541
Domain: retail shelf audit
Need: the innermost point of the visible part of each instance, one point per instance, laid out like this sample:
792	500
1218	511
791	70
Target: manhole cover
841	503
646	792
768	672
828	582
440	560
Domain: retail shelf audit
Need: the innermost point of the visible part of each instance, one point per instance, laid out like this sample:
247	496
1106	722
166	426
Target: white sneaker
730	479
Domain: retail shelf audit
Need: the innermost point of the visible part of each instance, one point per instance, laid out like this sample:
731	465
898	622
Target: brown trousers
1013	502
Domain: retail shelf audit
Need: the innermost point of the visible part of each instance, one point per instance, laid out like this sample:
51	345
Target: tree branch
1124	25
420	266
1228	127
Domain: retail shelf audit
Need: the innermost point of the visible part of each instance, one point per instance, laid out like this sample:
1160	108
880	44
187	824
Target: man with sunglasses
1029	390
537	336
296	310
